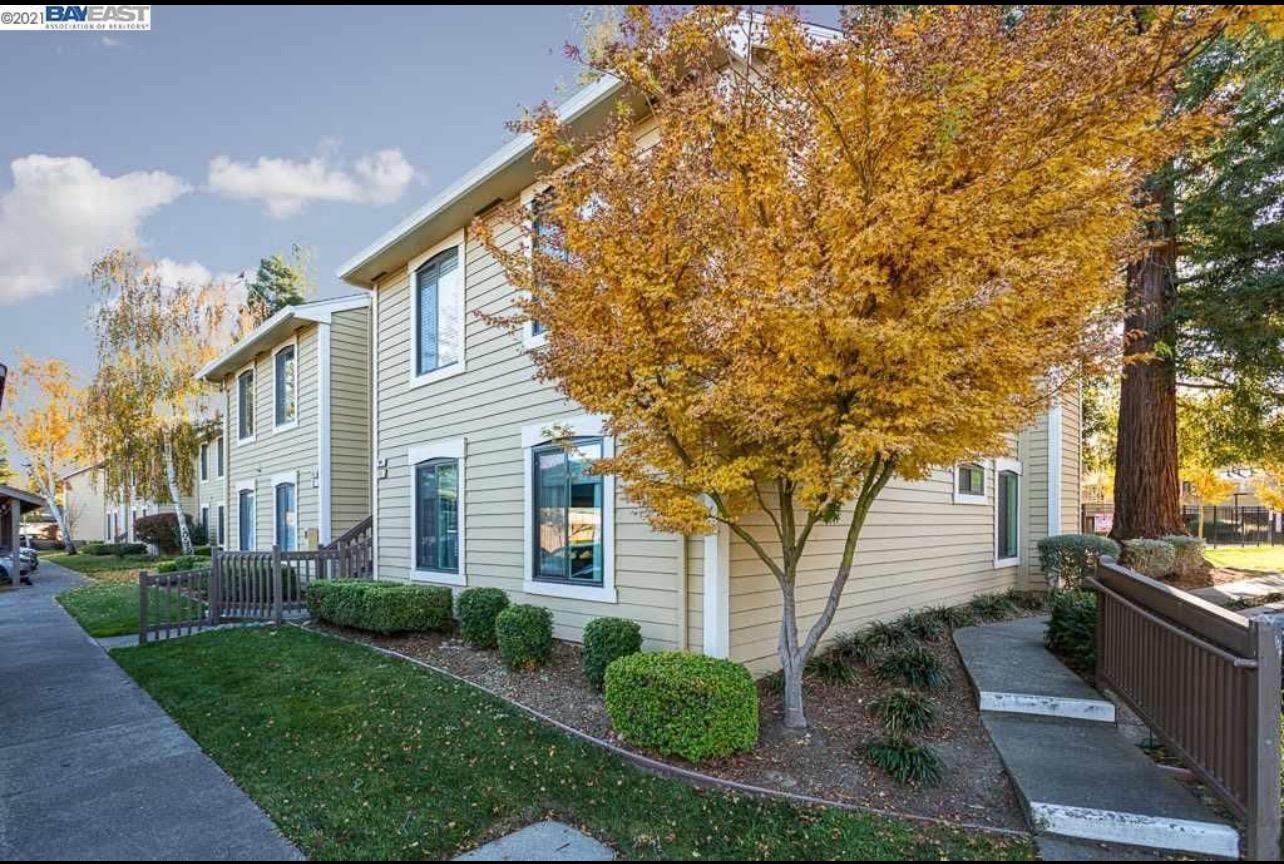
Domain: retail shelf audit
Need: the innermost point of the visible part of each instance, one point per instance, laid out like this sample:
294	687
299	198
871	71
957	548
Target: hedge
1188	552
1072	628
607	640
478	609
182	564
682	704
1153	558
524	635
117	549
380	607
1068	559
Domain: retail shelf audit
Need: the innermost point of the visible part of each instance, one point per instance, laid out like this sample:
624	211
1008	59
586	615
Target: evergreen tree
279	283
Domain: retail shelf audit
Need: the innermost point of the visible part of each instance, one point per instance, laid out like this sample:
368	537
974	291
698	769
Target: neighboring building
469	491
97	515
295	397
211	488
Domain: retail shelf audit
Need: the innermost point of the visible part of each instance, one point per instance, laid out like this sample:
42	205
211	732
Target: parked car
24	565
27	552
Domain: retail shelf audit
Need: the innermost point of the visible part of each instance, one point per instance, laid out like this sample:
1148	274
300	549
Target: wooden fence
243	586
1207	683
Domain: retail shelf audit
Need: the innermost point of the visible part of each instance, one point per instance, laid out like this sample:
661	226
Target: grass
111	608
1262	559
358	755
111	568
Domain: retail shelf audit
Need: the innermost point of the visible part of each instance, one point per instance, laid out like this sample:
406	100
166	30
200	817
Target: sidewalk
90	766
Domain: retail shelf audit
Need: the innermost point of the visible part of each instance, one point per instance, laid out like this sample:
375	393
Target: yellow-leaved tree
44	418
146	413
835	258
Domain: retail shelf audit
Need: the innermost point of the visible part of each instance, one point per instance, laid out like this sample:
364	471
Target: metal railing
1207	683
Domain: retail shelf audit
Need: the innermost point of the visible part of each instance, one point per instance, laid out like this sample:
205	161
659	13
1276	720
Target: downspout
681	641
372	345
323	432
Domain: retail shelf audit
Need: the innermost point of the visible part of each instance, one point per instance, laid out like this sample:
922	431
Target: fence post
278	588
142	607
344	566
1264	760
214	596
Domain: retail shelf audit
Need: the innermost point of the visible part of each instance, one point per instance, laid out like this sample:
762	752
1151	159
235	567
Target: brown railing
356	549
243	586
1207	683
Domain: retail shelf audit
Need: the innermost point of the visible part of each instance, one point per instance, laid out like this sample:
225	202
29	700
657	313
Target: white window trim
204	461
220	462
1054	467
453	448
458	240
291	477
254	386
220	507
589	425
292	342
1013	465
251	487
963	497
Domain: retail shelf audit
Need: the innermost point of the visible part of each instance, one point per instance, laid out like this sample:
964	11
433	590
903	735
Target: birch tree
845	258
146	412
45	431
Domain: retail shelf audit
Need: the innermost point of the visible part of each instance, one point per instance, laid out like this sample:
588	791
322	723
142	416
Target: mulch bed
825	762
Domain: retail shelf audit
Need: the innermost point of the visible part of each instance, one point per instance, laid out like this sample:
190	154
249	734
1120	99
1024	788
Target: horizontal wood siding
488	405
276	451
349	419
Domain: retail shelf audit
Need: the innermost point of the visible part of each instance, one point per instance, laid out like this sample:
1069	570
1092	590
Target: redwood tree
839	258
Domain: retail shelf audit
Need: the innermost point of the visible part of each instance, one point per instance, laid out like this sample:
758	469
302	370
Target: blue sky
225	134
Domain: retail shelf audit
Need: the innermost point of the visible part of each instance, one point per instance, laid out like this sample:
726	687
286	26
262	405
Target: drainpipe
681	641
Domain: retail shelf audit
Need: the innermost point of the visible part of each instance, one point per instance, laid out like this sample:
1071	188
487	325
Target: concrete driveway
90	766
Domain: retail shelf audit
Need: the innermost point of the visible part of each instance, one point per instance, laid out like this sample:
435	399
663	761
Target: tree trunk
793	660
1147	488
49	488
175	497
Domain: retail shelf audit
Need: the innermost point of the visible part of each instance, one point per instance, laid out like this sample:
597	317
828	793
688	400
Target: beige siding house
211	488
294	395
470	491
99	514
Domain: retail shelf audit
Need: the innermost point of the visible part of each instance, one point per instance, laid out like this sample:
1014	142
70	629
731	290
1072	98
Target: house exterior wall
349	419
211	490
272	452
86	500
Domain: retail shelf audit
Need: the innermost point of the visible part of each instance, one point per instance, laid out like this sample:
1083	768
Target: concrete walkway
90	766
1076	775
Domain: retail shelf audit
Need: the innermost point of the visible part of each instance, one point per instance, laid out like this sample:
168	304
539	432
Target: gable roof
275	329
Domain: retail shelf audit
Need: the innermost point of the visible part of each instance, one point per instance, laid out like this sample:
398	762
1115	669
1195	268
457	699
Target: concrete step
1084	780
1014	673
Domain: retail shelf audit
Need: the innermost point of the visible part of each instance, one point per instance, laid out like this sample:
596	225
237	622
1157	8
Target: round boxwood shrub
1067	559
380	607
606	640
1072	628
478	609
524	635
1153	558
683	704
93	548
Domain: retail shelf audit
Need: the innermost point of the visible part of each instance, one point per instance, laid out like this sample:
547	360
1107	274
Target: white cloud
286	186
63	213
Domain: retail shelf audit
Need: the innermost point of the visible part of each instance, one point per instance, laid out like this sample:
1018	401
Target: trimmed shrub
904	712
120	550
1188	554
203	551
904	761
93	548
478	609
524	635
1072	628
683	704
200	536
182	564
1067	559
380	607
161	530
605	640
914	666
1153	558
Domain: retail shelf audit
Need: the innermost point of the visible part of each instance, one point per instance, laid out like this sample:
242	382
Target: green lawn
1265	559
358	755
111	608
111	566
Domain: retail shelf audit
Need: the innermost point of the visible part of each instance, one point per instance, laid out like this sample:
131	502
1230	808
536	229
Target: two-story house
294	466
469	490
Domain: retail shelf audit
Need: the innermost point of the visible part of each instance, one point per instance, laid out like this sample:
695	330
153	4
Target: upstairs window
286	386
245	404
218	456
439	330
205	462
